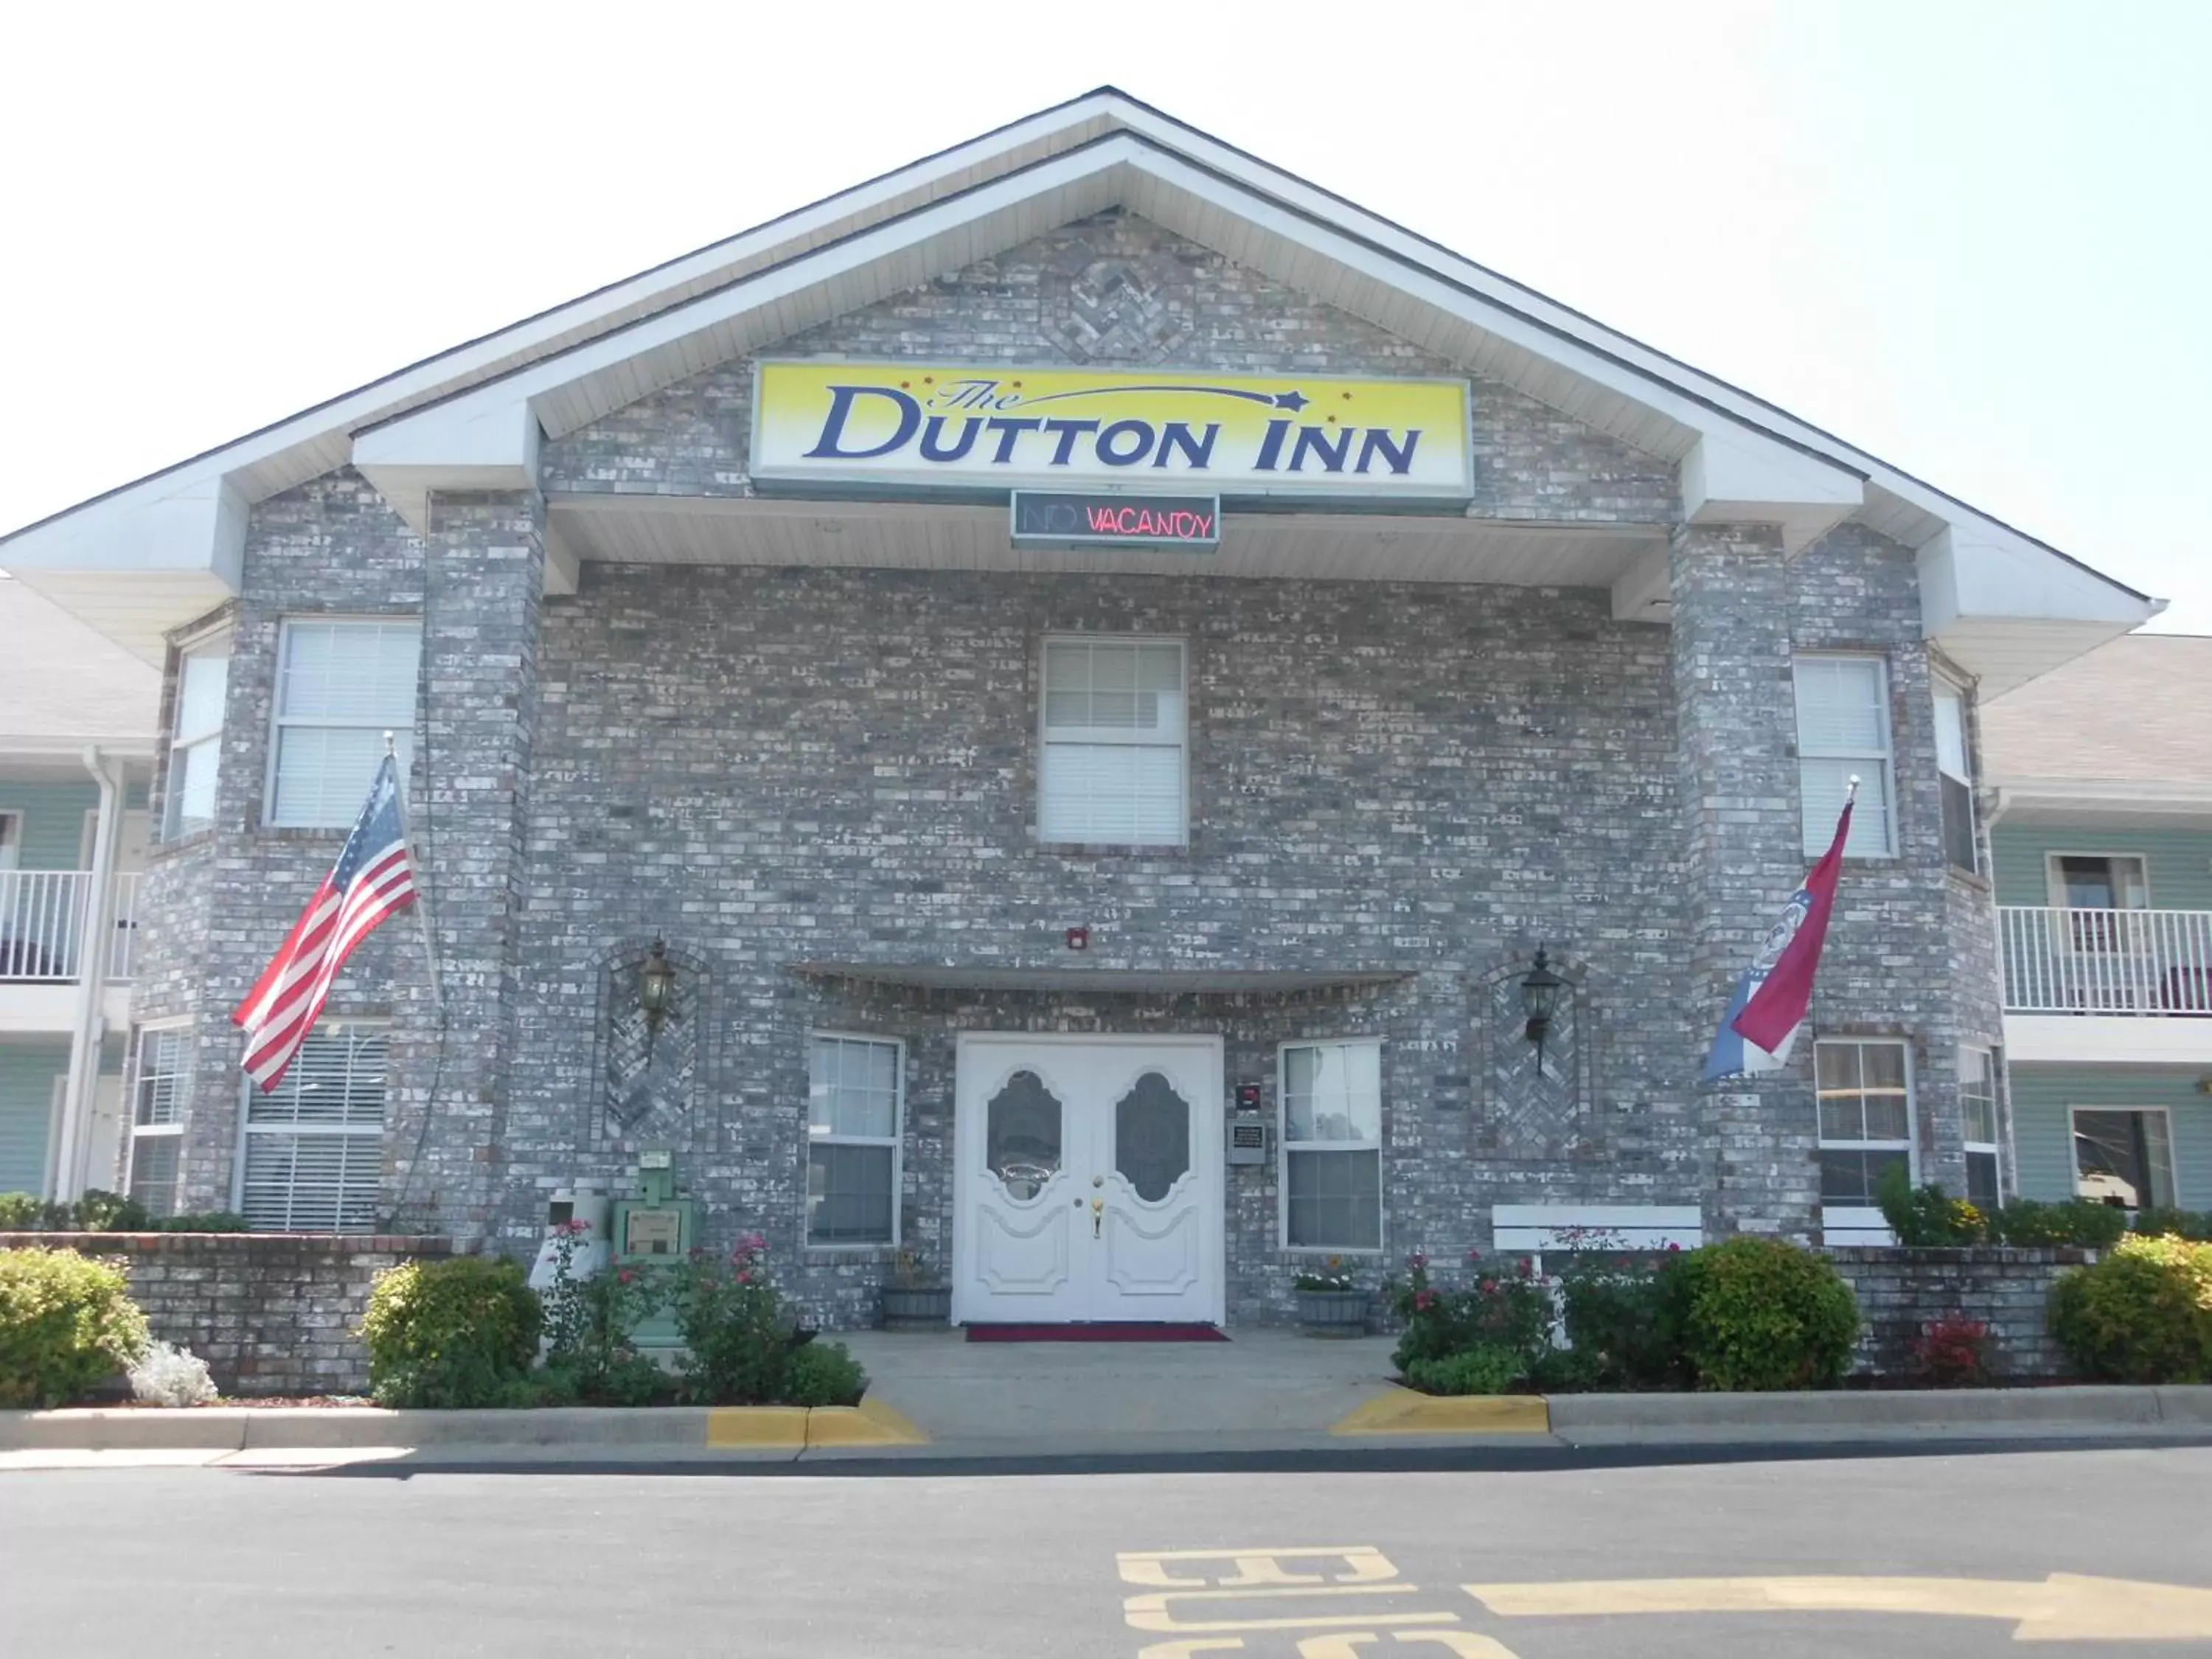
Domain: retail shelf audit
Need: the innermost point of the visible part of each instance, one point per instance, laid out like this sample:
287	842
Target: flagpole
423	884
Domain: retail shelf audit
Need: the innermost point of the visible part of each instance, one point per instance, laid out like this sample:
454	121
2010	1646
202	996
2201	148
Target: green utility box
653	1233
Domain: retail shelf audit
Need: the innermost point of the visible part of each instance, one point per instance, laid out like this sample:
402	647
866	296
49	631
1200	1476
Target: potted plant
1330	1303
915	1299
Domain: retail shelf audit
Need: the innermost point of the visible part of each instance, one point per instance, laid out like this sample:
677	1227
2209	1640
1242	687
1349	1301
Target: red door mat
1103	1332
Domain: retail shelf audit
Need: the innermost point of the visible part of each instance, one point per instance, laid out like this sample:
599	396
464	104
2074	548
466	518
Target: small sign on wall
1053	519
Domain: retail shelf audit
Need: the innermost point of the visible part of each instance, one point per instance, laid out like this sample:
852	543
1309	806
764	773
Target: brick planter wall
270	1312
1901	1292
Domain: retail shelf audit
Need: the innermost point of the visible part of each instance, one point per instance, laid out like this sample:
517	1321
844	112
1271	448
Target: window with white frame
1866	1117
312	1150
1111	765
855	1092
1332	1146
196	738
11	840
2123	1156
1955	773
1977	1112
1842	733
340	685
158	1093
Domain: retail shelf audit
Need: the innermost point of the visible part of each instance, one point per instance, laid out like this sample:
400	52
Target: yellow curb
1403	1411
870	1423
756	1425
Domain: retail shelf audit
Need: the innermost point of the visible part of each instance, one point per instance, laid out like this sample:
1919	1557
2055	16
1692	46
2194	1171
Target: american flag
373	879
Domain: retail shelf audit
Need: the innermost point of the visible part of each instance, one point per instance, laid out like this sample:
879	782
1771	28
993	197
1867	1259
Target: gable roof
2123	728
148	556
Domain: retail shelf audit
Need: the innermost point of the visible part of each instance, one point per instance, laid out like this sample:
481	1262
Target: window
2124	1159
11	840
196	740
157	1116
1332	1173
1843	732
312	1151
1977	1110
2093	887
854	1092
1111	769
1866	1118
1955	775
340	687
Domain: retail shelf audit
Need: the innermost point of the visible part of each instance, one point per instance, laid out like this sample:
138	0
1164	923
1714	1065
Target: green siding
53	820
2043	1138
28	1071
2178	861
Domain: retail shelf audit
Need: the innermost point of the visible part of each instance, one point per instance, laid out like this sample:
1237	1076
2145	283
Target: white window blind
1843	732
313	1149
157	1116
1956	776
1332	1142
855	1087
1111	769
195	740
340	687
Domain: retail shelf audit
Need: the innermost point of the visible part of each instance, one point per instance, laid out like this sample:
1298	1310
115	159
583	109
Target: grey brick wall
778	766
1902	1292
270	1314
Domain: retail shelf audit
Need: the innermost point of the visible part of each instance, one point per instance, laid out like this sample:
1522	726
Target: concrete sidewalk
935	1397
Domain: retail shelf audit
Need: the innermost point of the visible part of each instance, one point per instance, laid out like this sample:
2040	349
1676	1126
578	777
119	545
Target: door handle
1098	1215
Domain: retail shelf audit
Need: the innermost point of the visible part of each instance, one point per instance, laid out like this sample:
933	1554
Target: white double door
1087	1184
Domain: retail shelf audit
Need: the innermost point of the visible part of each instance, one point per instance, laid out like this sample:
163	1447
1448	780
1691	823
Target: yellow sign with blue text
923	427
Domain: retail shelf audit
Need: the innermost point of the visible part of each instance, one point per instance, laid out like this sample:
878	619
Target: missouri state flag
1772	999
374	879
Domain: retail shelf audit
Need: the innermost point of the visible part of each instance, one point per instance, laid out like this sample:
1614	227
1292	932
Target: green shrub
67	1325
449	1334
1623	1324
2076	1223
98	1212
1758	1314
201	1221
1922	1216
1487	1368
2141	1314
22	1213
1509	1309
825	1374
2157	1222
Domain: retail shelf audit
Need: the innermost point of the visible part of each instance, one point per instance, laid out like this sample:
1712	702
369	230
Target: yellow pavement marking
1184	1650
756	1425
2064	1608
1405	1411
870	1423
1467	1644
1253	1566
1153	1612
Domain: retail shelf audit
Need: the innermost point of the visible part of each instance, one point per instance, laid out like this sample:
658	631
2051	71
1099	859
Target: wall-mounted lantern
656	990
1539	1000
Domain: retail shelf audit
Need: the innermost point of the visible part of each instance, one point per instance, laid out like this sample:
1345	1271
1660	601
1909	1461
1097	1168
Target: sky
1970	238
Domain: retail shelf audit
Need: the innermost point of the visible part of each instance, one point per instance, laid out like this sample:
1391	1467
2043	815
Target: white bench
1536	1228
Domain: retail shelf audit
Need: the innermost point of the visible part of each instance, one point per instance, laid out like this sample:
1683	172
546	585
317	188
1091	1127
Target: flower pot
1333	1313
916	1307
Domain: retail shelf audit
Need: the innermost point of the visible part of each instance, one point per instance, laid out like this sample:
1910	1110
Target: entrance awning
1104	982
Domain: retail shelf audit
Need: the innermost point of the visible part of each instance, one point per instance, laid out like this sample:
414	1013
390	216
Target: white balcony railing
42	926
2106	962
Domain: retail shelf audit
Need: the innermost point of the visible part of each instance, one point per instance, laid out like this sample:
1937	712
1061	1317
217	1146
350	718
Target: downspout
96	941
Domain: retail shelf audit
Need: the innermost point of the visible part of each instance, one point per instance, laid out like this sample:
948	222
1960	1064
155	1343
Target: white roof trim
1172	161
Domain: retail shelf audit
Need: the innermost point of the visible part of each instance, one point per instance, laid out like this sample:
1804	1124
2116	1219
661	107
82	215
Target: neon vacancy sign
1045	517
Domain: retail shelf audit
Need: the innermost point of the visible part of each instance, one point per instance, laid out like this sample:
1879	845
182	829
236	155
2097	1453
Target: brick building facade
798	736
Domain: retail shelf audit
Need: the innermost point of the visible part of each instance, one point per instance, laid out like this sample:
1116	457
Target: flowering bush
591	1326
1622	1318
2141	1314
1509	1310
1951	1353
743	1343
168	1376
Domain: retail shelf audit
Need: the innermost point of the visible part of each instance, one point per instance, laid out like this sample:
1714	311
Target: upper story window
340	687
1842	733
1954	769
2098	881
196	738
1112	765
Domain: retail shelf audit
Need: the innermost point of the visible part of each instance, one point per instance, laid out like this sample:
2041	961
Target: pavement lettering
2063	1608
1203	1595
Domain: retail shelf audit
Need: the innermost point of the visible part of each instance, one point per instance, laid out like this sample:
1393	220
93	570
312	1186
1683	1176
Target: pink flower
1521	1269
626	1277
1423	1300
744	1277
1417	1262
1489	1287
1672	1246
